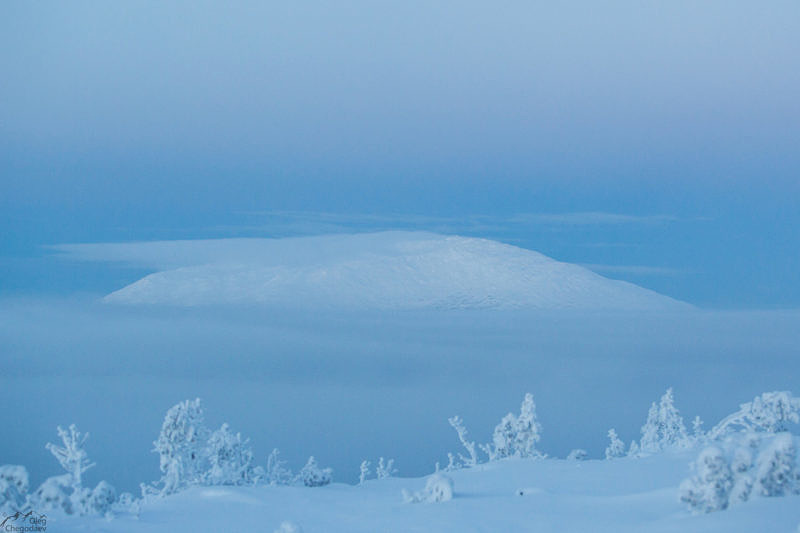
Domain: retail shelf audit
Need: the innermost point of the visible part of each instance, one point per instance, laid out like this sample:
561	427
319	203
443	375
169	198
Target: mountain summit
388	270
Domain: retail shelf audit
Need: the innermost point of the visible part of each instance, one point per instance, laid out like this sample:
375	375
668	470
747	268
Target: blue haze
179	120
655	142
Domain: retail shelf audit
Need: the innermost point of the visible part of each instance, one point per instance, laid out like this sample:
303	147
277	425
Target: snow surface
514	495
388	270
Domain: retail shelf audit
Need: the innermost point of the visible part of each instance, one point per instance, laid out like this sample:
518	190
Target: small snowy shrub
697	429
438	488
54	495
633	449
363	472
770	412
616	448
277	473
13	488
708	490
313	476
102	499
126	503
777	473
516	436
726	474
577	455
664	427
384	470
230	459
181	446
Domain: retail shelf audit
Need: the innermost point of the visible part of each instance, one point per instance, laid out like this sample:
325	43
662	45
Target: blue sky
656	142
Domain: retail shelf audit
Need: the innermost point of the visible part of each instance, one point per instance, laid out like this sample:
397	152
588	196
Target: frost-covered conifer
458	425
664	427
616	448
528	429
230	459
181	446
313	476
777	473
504	436
516	436
385	469
709	489
277	473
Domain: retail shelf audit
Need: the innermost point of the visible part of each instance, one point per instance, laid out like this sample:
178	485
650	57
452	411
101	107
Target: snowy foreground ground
626	494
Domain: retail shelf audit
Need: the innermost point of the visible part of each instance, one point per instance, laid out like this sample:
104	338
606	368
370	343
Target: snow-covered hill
389	270
515	495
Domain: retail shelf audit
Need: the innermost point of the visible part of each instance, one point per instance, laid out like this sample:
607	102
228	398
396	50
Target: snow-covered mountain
388	270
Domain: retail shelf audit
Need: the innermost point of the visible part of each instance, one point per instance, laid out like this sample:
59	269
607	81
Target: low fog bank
347	386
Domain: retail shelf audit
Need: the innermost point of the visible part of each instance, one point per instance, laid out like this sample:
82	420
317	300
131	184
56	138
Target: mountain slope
390	270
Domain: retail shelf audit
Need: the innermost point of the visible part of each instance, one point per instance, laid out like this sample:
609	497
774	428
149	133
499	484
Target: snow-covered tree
516	436
66	492
664	427
458	425
181	446
230	459
528	429
13	488
777	473
503	438
709	489
313	476
71	456
577	455
770	412
616	448
277	473
55	494
385	469
363	473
